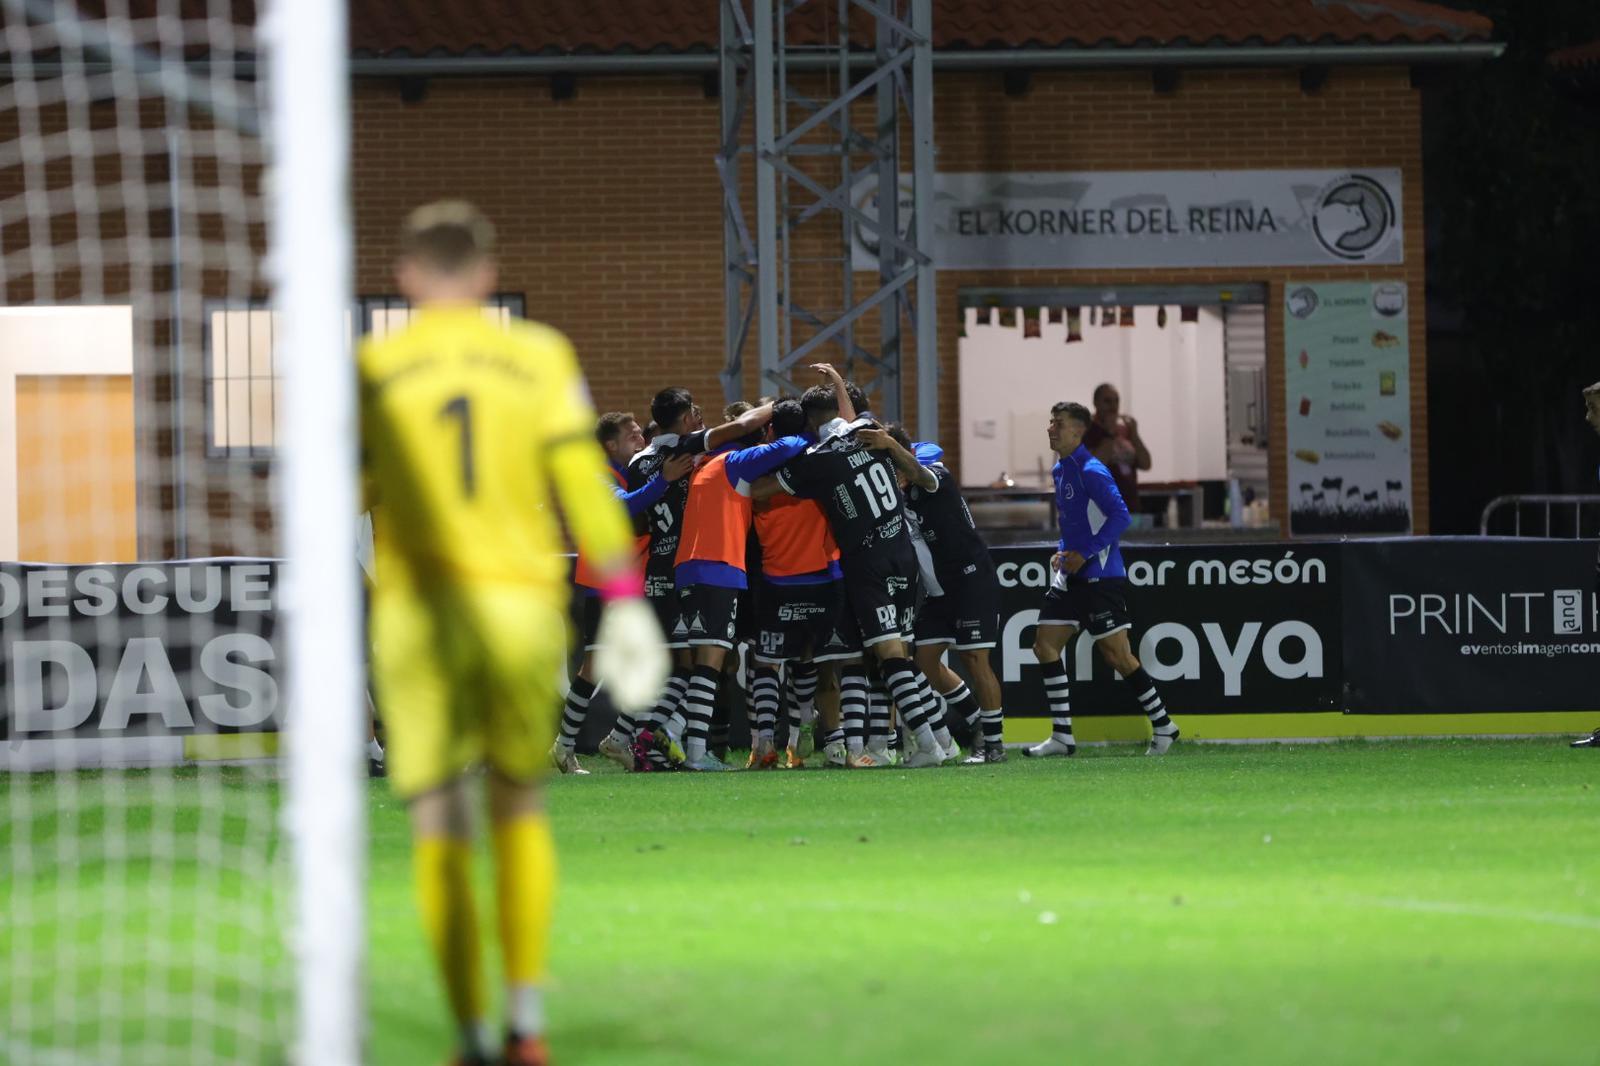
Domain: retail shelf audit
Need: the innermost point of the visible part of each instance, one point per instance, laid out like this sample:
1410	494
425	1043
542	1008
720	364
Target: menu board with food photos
1347	373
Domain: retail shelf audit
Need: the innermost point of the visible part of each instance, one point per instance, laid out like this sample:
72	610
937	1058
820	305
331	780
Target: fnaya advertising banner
1224	629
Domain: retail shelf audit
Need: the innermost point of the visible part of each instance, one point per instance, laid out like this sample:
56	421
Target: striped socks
802	702
1150	700
962	702
934	706
853	708
879	725
671	699
994	732
1055	694
803	689
697	710
765	696
575	710
905	685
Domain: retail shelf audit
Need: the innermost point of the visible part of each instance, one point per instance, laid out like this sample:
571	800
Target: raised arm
847	410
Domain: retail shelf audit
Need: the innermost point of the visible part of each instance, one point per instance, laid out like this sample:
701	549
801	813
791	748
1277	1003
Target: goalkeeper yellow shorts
466	676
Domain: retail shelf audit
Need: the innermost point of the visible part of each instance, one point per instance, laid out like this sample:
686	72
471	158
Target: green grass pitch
1402	902
1387	902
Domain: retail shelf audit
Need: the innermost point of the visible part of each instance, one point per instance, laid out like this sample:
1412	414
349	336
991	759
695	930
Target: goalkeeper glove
632	657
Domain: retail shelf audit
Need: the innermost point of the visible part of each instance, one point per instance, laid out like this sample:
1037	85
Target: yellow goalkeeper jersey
478	440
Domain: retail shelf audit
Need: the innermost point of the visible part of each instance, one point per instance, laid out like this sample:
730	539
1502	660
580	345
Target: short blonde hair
447	236
1593	391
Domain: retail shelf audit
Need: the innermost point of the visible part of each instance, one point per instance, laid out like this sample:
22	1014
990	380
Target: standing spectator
1113	438
1591	405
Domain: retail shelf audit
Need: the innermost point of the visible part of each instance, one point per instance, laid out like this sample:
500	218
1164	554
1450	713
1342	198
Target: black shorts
794	621
745	617
882	590
662	592
1099	606
586	615
710	615
842	637
967	615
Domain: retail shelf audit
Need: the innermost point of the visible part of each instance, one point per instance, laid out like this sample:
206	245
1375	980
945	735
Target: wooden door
75	469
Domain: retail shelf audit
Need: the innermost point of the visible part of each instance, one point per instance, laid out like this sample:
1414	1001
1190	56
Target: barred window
381	315
242	385
241	379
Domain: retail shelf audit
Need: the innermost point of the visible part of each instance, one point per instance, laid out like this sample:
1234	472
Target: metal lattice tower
795	88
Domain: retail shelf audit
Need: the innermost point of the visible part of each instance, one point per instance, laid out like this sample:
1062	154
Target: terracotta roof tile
422	27
425	27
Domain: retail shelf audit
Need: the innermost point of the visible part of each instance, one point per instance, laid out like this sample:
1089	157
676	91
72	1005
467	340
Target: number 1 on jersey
460	408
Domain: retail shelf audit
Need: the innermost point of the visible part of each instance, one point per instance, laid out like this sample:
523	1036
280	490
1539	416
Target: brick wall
609	209
609	214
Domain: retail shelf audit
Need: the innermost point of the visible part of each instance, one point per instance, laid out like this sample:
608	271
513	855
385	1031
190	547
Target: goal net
155	835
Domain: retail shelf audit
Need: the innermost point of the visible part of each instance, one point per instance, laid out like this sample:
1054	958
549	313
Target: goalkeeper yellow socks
525	872
443	868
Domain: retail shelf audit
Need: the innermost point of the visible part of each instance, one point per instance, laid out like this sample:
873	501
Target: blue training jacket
642	498
1091	514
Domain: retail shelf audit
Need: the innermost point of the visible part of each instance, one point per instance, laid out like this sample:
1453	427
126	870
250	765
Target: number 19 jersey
857	490
467	428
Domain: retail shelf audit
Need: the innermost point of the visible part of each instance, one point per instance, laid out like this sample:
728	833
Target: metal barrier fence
1552	514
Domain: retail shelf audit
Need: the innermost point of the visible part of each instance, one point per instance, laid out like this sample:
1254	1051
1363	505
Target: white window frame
361	319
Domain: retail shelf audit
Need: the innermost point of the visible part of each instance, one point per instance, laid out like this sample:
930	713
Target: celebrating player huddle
845	560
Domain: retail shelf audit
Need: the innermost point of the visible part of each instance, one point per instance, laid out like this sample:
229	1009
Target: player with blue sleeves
621	438
1088	586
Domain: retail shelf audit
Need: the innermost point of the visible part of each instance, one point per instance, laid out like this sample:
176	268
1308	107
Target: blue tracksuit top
1091	514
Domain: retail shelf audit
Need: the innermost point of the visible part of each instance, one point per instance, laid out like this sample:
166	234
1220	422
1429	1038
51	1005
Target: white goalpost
178	499
310	269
